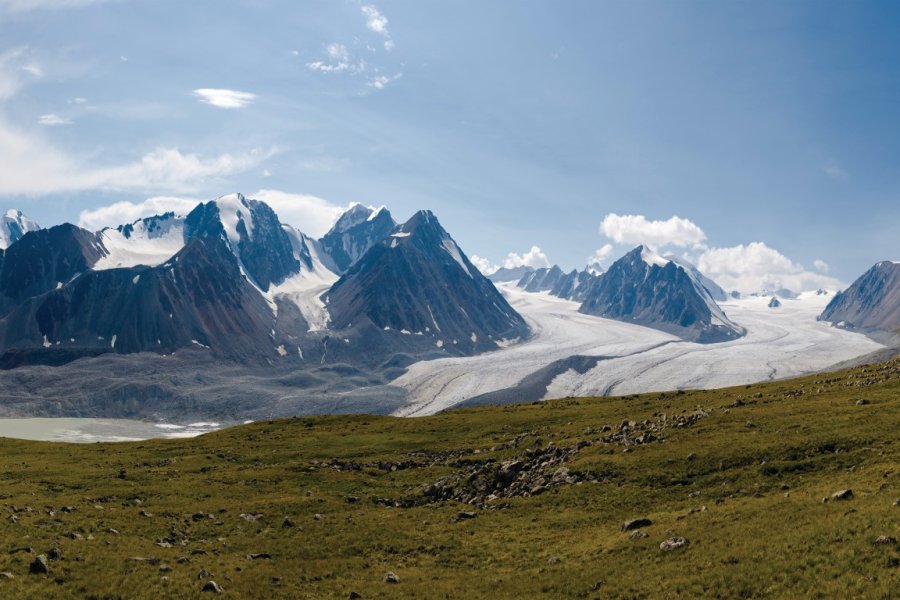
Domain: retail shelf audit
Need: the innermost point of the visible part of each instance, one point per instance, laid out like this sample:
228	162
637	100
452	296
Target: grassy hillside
739	473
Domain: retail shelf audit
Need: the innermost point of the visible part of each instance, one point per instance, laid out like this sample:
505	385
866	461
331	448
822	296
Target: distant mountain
150	241
541	280
13	225
647	289
871	303
774	302
504	274
417	284
575	285
355	231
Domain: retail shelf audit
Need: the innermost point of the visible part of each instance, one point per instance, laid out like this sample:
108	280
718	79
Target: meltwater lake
98	430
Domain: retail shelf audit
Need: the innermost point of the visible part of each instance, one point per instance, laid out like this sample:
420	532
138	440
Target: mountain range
230	284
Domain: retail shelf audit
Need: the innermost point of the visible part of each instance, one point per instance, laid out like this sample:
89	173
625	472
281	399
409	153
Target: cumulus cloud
602	253
821	265
483	264
223	98
51	119
312	215
120	213
534	258
756	267
637	229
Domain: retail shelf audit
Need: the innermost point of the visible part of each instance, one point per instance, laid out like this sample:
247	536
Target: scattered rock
164	568
54	554
885	540
842	495
250	518
463	515
288	522
673	544
39	566
318	516
148	560
212	586
352	499
862	402
112	531
6	575
144	513
692	456
636	524
259	556
391	577
203	574
638	534
198	516
123	474
354	596
553	560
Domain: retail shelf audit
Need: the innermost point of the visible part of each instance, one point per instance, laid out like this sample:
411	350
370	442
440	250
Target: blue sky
770	127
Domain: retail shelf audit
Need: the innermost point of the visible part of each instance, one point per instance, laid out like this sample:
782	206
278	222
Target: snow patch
135	279
233	209
652	258
451	247
281	351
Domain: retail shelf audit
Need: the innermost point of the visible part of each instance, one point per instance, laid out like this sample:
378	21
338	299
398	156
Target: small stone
212	586
123	474
259	556
288	522
112	531
692	456
203	574
673	544
862	402
318	517
39	566
6	575
354	596
553	560
199	516
54	554
352	499
636	524
144	513
391	577
842	495
637	534
164	568
463	515
884	540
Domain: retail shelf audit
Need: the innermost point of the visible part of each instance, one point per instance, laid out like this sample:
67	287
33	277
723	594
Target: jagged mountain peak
13	225
355	231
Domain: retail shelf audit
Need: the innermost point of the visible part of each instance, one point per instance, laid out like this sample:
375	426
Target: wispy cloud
120	213
834	170
382	81
51	119
29	5
377	22
338	60
224	98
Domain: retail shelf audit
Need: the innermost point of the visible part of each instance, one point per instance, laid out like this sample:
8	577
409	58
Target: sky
759	139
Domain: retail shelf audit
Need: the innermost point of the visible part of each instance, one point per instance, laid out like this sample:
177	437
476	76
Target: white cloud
377	22
483	264
223	98
602	253
533	258
310	214
338	60
380	82
756	267
821	265
29	5
53	119
120	213
636	229
29	165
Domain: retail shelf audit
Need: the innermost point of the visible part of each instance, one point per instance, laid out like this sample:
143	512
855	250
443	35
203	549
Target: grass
745	485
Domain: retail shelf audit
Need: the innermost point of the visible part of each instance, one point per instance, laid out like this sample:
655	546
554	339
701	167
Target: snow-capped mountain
714	289
871	303
417	284
645	288
355	231
13	225
150	241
